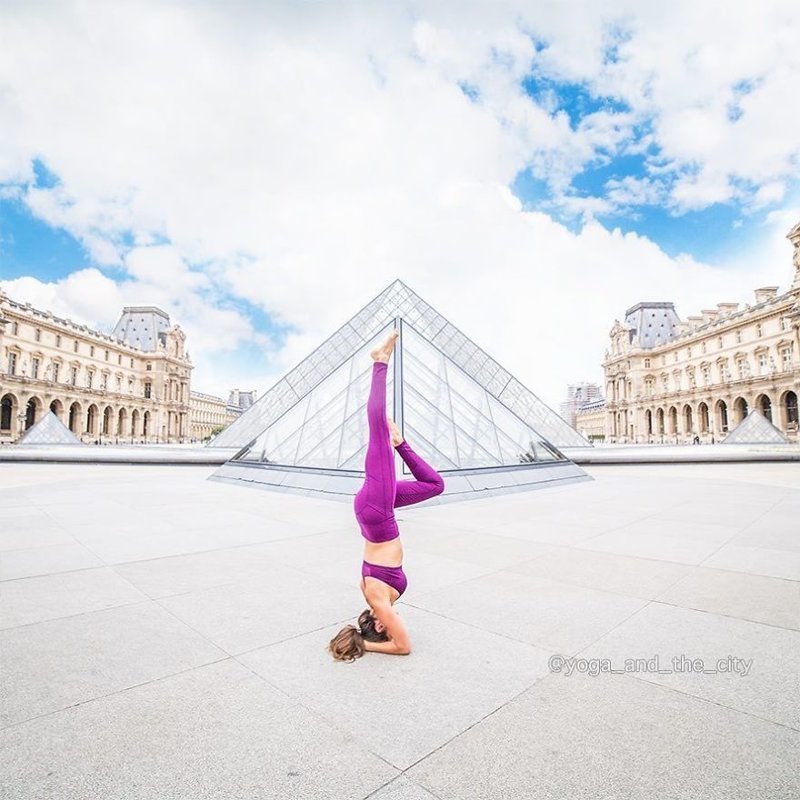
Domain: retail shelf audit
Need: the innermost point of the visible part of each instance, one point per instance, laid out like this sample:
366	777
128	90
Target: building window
741	368
783	323
56	370
688	352
73	376
12	363
75	346
646	364
34	368
91	350
104	382
14	329
786	358
119	384
89	378
130	385
58	340
706	376
119	358
149	367
663	360
38	335
762	363
675	356
148	389
702	347
106	355
738	337
720	343
759	330
131	363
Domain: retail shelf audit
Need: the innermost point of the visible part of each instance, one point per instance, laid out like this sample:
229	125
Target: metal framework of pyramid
48	430
460	410
755	428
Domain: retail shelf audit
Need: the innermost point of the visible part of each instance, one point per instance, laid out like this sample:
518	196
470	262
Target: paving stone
614	737
218	731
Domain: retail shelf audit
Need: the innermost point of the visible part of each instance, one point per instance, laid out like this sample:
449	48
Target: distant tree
214	432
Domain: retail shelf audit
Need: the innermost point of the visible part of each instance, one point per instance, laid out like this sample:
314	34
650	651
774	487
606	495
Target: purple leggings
381	493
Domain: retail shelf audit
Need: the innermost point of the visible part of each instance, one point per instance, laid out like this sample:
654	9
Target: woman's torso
385	554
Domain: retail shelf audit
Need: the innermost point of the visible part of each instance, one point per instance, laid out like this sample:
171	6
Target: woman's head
348	644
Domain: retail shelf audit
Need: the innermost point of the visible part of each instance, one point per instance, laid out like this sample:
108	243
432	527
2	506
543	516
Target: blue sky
30	246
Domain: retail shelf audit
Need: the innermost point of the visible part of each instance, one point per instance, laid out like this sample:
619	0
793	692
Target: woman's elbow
404	649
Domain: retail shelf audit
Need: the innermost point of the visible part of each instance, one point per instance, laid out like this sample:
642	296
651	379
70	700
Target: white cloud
300	156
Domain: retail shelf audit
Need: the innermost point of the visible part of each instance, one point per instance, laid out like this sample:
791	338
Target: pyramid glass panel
327	429
755	428
453	421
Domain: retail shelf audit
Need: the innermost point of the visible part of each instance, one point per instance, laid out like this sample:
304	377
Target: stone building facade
590	420
130	386
208	414
578	395
239	402
671	381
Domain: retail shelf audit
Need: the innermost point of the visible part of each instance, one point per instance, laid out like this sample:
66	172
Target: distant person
383	581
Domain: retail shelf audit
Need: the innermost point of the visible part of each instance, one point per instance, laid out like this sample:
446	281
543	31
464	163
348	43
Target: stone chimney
709	314
765	293
726	309
694	321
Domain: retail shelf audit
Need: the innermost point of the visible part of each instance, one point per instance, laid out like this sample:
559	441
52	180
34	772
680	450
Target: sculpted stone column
794	237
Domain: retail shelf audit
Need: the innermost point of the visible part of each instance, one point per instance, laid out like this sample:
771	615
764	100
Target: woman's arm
390	647
399	641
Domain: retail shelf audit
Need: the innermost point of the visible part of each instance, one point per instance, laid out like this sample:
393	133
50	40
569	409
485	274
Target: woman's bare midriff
384	554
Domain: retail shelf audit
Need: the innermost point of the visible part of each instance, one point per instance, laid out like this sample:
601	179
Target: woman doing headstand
383	581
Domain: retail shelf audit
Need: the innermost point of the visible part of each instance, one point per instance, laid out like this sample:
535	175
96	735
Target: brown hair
348	644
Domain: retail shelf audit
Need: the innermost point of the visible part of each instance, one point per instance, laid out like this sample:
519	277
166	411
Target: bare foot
397	437
384	352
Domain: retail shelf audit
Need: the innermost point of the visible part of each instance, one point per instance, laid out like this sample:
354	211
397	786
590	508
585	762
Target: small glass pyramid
755	428
48	430
454	416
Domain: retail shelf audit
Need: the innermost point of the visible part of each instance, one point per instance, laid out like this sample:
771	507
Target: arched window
702	414
739	409
764	405
6	412
30	413
790	404
722	415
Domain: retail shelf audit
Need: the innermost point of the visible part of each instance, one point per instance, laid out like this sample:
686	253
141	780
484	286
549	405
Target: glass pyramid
397	301
48	430
755	428
452	418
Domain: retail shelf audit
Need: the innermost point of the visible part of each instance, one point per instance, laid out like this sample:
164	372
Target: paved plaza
163	636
